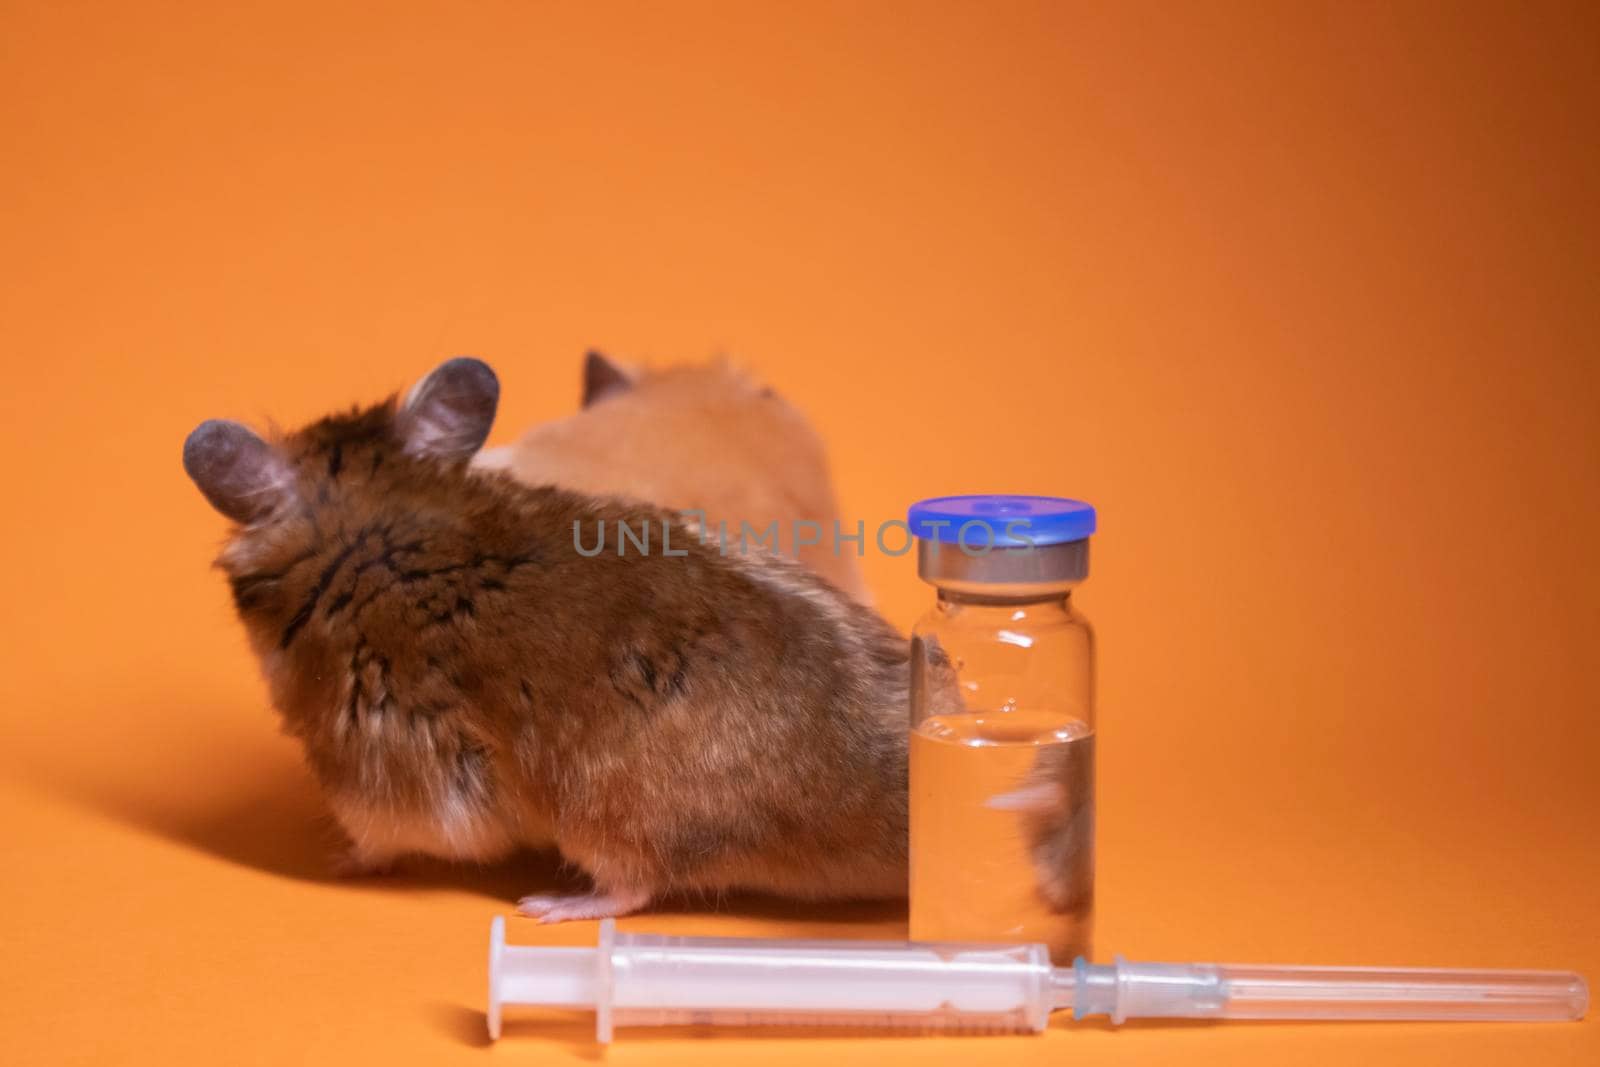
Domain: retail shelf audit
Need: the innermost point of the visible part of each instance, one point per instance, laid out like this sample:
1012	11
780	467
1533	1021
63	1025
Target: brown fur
465	682
705	438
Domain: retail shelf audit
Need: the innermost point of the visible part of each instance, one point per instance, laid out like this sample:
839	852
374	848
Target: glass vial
1002	725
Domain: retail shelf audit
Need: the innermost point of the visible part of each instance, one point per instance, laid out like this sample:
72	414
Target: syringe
654	980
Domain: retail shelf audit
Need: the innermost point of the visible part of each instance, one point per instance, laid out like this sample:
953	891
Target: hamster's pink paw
568	907
1032	799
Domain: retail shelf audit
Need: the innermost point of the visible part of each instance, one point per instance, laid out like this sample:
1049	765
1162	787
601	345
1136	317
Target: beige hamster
704	437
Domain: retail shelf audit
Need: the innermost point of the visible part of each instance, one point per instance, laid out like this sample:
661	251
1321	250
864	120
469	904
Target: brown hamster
704	438
465	681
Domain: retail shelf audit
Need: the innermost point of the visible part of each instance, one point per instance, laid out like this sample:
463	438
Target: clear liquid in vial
1002	830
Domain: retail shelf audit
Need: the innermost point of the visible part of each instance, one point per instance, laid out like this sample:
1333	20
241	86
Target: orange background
1304	298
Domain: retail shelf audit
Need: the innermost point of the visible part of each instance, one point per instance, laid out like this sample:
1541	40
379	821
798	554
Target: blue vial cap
1001	521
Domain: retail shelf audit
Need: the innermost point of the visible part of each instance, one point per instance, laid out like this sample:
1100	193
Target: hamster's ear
240	474
603	377
448	414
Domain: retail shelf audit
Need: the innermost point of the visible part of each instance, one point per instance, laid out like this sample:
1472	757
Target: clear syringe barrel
654	980
1125	990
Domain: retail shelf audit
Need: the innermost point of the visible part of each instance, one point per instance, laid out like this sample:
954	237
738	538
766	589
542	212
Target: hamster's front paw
595	904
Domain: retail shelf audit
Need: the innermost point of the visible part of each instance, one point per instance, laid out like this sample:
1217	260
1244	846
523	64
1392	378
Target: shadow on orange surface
576	1029
469	1026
